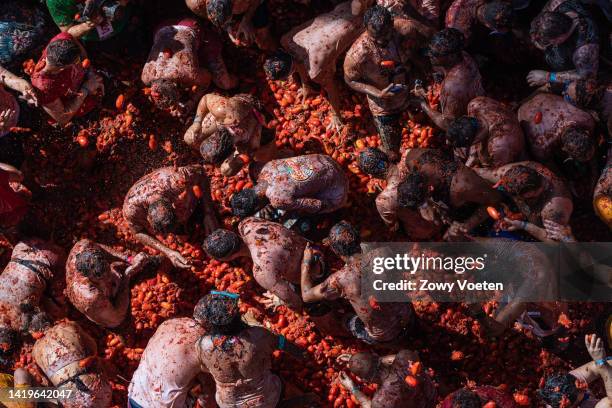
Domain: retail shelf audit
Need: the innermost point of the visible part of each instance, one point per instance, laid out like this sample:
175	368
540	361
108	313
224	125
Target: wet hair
447	42
344	239
165	93
161	216
558	386
219	11
498	14
217	147
412	191
465	399
548	26
218	314
244	203
462	131
278	65
91	262
10	340
373	161
588	93
39	322
521	179
577	143
61	53
221	243
364	365
378	20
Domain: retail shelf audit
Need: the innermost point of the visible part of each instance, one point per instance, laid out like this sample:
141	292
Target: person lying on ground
163	202
98	281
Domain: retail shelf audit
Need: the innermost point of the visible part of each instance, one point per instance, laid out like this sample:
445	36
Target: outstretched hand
595	347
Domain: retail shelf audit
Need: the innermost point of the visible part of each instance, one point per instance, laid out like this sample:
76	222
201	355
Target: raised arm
349	385
192	134
599	367
12	81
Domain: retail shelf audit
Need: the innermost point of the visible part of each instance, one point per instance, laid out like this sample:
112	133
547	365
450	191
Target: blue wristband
226	294
552	77
602	361
281	342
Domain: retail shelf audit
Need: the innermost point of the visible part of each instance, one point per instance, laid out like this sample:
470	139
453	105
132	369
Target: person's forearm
10	80
436	117
364	400
115	253
564	76
362	88
153	243
307	285
537	232
605	372
79	30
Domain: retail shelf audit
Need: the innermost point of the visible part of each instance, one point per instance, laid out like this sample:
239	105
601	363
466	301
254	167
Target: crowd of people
502	170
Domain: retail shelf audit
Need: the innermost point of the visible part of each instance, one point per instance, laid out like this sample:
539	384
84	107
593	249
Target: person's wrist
524	224
602	361
552	77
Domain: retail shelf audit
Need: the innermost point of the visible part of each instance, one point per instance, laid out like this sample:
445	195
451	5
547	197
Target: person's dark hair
219	11
548	26
217	147
373	161
412	191
344	239
378	20
557	388
218	313
61	53
462	131
364	365
221	243
10	340
245	202
498	14
39	322
466	399
162	217
577	143
588	93
165	93
91	262
447	42
521	179
278	65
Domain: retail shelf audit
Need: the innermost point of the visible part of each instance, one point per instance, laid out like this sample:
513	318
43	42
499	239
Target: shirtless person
563	389
377	65
538	192
556	129
391	203
183	56
23	283
382	324
462	81
67	355
442	186
238	356
276	252
314	49
390	373
226	126
98	281
463	15
309	184
567	33
490	133
169	367
164	200
247	22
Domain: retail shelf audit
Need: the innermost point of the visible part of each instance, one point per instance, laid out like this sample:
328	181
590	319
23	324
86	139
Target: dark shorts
133	404
389	130
261	17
